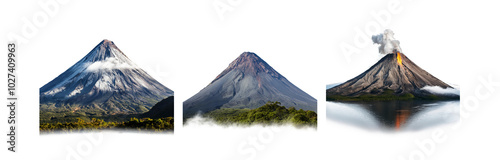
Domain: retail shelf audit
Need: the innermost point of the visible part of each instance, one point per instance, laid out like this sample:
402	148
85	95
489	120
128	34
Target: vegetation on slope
160	124
75	118
268	114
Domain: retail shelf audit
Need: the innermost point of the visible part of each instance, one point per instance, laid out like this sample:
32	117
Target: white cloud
198	121
439	90
108	64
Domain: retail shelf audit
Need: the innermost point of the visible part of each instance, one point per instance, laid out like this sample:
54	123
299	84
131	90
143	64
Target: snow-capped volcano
105	79
248	82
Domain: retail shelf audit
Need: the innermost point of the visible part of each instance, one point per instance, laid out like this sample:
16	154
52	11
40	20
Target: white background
185	45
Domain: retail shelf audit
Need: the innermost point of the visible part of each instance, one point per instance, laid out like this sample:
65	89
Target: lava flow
400	62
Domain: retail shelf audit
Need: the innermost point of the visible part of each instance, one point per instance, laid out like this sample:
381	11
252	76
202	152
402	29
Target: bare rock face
162	109
248	82
107	80
395	72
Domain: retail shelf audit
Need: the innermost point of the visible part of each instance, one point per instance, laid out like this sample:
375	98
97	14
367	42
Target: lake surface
394	115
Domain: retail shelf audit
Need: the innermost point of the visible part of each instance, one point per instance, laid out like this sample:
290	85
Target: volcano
248	82
394	76
105	80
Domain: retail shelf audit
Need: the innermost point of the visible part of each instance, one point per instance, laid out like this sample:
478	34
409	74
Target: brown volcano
395	75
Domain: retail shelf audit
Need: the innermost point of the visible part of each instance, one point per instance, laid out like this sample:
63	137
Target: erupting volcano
394	77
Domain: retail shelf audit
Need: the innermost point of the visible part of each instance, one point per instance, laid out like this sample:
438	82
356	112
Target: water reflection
395	115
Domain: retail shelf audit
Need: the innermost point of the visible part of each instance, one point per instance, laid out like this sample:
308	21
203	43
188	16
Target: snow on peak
76	91
105	83
54	91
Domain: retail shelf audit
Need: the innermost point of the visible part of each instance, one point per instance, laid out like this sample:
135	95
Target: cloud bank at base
442	91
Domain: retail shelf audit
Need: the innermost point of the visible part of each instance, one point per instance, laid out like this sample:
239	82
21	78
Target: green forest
272	113
148	124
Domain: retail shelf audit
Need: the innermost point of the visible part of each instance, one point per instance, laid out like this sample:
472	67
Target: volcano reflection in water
395	115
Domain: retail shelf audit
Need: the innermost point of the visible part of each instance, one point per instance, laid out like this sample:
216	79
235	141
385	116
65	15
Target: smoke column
388	44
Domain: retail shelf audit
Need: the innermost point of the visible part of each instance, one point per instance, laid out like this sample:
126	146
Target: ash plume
388	44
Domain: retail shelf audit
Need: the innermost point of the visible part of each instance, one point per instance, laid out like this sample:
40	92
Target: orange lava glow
401	117
400	61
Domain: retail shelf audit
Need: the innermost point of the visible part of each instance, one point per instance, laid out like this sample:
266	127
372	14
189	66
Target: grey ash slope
387	73
106	80
248	82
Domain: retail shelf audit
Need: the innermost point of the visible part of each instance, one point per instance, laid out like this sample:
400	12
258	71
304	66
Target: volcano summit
248	82
104	81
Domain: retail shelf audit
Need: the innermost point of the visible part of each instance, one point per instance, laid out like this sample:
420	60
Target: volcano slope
248	82
394	77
